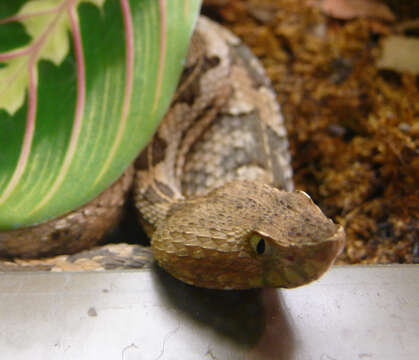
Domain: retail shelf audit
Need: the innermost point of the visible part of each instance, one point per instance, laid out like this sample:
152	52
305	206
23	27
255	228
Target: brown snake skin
206	188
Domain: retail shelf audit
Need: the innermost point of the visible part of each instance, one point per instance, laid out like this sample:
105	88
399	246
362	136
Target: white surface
351	313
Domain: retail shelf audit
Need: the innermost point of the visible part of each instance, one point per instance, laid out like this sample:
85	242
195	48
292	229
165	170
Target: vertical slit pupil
260	247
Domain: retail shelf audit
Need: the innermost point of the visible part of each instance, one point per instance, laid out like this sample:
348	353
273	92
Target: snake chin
293	267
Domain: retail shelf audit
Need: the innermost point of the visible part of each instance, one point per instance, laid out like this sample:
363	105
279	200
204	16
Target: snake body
213	188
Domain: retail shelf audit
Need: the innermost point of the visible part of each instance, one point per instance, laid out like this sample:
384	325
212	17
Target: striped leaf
83	85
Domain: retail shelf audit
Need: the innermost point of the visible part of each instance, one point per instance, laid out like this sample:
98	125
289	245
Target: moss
354	129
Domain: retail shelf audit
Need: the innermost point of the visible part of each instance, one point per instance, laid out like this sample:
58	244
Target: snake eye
258	244
260	247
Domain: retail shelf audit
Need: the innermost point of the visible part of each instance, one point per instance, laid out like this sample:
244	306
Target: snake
213	190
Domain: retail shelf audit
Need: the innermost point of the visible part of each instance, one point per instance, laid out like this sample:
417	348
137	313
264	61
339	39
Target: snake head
246	235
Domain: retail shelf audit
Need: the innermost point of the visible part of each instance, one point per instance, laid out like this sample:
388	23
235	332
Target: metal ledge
353	312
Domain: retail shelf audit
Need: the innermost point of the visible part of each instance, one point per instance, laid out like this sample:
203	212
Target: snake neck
224	124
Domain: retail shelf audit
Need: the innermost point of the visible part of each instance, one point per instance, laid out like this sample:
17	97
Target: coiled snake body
207	189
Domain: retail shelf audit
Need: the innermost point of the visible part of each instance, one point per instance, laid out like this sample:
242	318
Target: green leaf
83	85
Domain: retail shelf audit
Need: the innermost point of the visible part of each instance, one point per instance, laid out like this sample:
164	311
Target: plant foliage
83	85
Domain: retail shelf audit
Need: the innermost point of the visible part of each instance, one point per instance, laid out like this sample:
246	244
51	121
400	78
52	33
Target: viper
213	189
